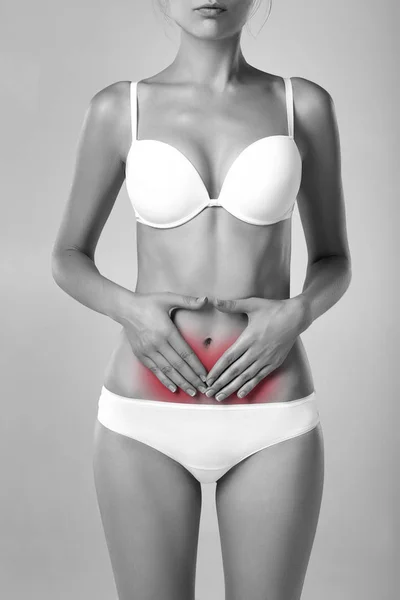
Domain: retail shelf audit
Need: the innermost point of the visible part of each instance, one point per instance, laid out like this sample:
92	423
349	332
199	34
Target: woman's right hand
157	343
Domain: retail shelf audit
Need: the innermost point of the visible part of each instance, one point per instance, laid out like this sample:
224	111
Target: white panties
207	440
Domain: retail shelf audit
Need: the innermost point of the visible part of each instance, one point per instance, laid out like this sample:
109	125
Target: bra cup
261	186
264	183
160	184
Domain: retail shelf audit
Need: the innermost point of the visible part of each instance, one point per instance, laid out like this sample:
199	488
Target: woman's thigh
268	507
150	509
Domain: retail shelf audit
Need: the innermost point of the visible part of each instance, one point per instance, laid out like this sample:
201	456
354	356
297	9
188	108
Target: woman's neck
214	63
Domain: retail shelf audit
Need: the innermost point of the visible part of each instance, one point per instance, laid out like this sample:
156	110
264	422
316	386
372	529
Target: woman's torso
214	253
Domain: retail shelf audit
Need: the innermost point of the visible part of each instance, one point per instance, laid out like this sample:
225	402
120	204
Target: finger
187	354
169	371
236	305
181	366
251	384
173	301
239	381
239	347
233	372
151	365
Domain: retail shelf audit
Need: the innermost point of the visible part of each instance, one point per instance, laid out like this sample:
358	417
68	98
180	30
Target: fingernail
203	378
202	389
172	388
192	392
209	393
241	394
209	382
220	397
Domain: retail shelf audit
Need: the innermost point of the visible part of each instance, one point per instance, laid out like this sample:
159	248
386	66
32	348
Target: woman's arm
97	179
99	173
274	325
321	203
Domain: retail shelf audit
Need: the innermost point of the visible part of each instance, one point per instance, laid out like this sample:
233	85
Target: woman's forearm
76	274
326	281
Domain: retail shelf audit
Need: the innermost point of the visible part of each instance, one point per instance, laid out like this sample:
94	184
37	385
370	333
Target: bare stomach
209	333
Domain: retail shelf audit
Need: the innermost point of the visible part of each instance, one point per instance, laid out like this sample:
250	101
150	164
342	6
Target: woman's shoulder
111	95
314	105
109	103
308	89
303	88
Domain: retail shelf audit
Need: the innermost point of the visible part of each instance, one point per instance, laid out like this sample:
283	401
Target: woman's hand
273	326
157	343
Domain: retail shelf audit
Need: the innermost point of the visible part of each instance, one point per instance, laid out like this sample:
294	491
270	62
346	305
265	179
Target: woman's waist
208	326
275	287
209	338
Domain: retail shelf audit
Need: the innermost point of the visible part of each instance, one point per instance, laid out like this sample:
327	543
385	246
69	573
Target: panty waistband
105	392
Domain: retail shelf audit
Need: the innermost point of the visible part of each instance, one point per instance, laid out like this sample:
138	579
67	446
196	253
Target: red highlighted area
208	351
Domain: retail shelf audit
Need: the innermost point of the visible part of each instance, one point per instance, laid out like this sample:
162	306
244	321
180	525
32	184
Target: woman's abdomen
209	333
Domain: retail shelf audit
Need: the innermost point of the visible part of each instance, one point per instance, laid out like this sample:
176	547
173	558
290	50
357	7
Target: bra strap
289	105
133	97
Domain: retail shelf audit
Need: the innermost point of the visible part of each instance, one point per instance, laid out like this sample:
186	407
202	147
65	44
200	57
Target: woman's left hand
273	326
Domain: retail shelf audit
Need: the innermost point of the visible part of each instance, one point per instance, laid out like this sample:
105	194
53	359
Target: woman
217	388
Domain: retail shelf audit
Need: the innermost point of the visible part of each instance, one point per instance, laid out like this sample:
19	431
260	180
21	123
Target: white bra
261	186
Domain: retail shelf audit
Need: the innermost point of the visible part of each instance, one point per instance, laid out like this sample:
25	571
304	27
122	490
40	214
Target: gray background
54	57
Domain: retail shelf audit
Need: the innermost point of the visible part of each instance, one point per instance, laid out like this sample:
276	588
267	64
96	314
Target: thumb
182	301
240	305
